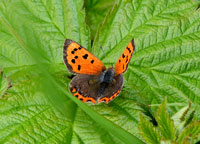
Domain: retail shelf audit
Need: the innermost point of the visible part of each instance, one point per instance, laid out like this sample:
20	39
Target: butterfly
93	82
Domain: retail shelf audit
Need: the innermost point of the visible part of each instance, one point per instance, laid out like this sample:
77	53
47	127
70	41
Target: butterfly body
93	82
107	76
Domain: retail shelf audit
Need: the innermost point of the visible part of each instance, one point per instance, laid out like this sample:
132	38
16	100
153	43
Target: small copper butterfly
93	82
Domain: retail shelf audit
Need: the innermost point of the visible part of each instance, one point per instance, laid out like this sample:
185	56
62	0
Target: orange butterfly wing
81	61
123	61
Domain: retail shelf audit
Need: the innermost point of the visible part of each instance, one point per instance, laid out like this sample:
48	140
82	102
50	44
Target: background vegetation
35	105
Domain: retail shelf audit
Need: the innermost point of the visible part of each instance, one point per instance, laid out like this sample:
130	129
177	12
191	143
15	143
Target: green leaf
39	108
149	133
190	118
26	116
180	118
190	133
4	85
165	132
165	123
95	13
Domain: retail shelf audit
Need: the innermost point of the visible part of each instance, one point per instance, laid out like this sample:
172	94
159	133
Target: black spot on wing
92	61
126	59
72	52
75	49
76	95
79	67
123	56
73	61
119	61
76	57
81	99
85	56
80	48
129	50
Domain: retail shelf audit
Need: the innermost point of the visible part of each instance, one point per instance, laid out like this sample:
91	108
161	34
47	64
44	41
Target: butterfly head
107	76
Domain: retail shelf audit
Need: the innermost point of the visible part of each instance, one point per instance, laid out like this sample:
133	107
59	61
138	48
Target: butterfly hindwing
112	90
86	88
83	89
80	60
122	63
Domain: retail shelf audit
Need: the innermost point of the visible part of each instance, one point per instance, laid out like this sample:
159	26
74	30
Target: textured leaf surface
165	123
190	133
149	133
96	10
180	118
32	33
4	85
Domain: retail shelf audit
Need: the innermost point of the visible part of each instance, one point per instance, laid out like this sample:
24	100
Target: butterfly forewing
123	61
81	61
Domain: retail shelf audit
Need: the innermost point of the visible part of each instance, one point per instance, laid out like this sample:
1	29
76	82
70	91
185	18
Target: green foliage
4	85
96	10
165	124
38	107
180	128
149	132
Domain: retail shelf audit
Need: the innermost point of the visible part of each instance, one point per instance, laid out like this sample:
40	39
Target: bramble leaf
149	133
38	107
165	123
